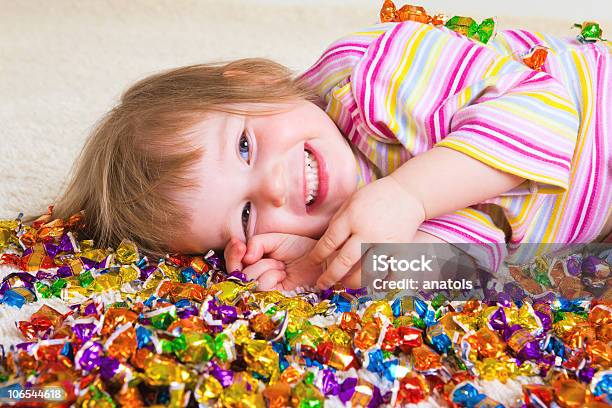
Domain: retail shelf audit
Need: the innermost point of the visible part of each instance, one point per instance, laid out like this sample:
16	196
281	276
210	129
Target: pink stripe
532	37
447	88
469	66
584	202
331	53
523	141
518	37
486	241
371	103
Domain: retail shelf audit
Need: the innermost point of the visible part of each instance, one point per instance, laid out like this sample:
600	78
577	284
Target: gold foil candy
381	307
228	291
208	389
127	252
261	358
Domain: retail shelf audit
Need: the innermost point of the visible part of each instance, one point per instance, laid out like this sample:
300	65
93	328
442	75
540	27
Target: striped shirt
396	90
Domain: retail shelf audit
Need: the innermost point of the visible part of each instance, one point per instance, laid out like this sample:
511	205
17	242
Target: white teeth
312	177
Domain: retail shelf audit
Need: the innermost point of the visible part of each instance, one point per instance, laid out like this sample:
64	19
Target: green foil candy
467	26
589	32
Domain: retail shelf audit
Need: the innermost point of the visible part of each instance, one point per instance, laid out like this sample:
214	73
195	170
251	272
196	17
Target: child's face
254	176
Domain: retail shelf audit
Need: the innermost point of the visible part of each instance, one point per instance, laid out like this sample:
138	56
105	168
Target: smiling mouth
311	178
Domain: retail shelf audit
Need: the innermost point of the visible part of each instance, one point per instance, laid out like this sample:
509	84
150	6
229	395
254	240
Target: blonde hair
139	146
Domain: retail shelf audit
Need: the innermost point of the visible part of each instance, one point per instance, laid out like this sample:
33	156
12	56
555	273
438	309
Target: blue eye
244	148
246	215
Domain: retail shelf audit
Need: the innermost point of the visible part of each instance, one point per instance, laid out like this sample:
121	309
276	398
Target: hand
286	264
382	211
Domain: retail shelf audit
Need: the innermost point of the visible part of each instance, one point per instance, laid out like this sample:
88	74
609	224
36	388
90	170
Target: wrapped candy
535	59
181	331
589	32
467	26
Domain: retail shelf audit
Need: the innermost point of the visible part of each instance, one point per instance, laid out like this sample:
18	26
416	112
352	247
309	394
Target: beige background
65	62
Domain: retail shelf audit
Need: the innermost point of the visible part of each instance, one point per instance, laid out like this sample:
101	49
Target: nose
274	185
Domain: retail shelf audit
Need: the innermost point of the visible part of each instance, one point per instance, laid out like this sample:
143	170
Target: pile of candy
181	332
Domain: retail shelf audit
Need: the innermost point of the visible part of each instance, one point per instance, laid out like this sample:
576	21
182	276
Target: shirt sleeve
422	86
474	232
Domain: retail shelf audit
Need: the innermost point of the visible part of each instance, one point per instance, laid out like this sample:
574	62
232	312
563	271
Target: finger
234	251
271	279
260	267
262	244
353	278
339	211
349	255
337	233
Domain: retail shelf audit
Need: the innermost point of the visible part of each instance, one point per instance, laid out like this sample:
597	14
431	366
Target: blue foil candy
143	335
17	297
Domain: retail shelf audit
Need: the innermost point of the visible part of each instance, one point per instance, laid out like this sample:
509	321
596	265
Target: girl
402	132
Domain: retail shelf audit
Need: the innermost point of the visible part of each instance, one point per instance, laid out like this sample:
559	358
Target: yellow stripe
475	215
499	164
524	112
585	86
553	100
496	66
399	74
333	80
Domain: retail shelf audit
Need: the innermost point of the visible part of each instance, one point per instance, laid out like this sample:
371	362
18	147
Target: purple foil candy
26	346
225	377
330	383
238	275
545	319
51	249
17	280
513	291
64	271
146	272
227	314
497	319
89	356
376	399
108	368
595	267
67	244
531	351
509	331
27	252
503	299
213	260
90	309
357	291
42	275
586	374
105	263
84	331
327	293
88	263
187	312
347	389
574	265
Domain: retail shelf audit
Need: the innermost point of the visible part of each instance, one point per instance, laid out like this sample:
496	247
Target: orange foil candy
388	12
535	60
